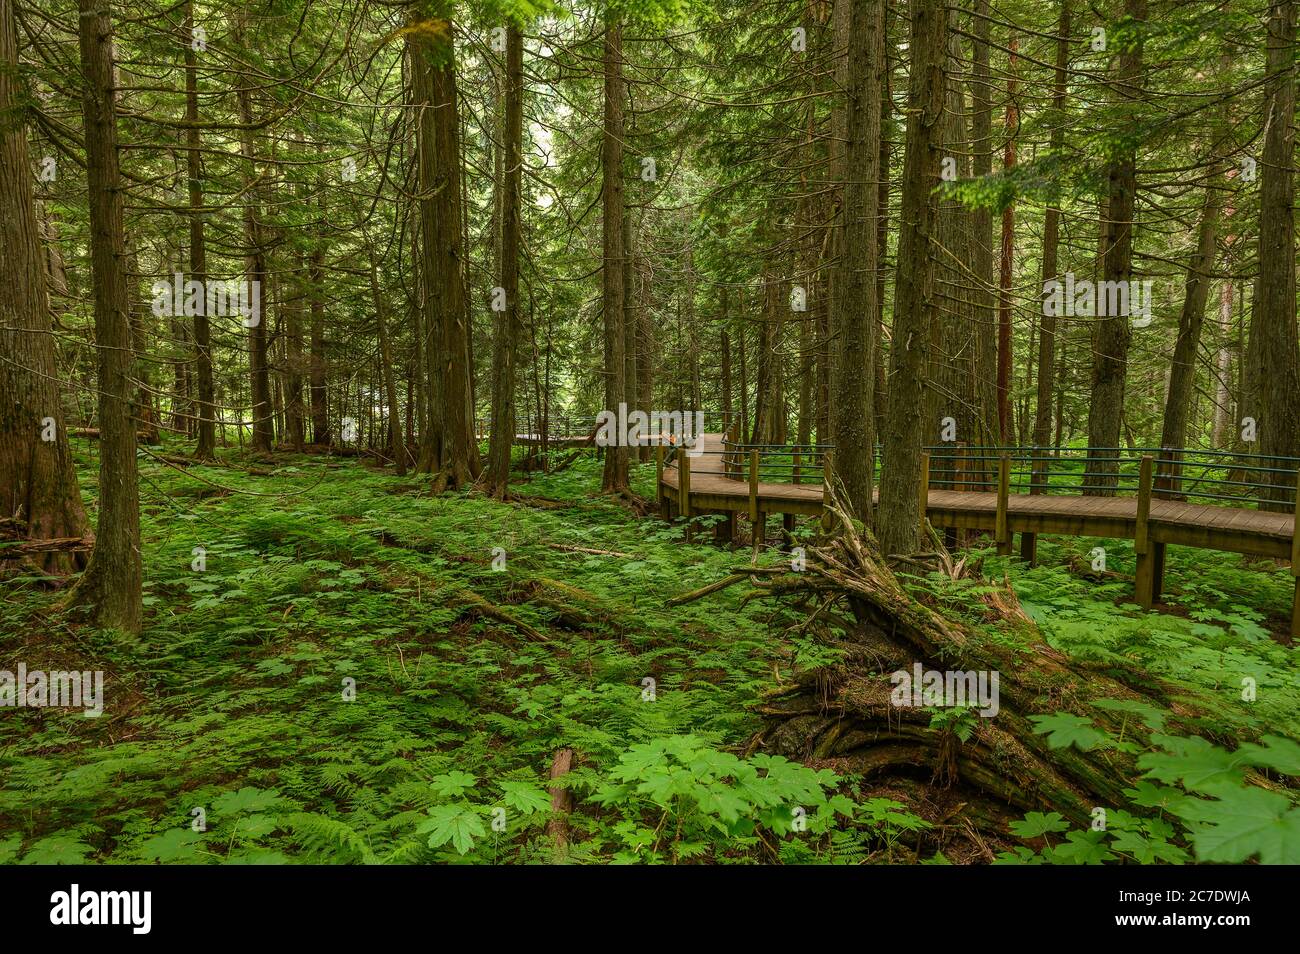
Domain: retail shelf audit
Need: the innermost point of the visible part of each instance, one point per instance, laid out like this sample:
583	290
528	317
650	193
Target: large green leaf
1243	823
1063	730
458	824
1192	761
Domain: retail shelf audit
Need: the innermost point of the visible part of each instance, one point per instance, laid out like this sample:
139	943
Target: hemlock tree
508	331
1273	326
1112	334
898	519
112	581
854	298
615	479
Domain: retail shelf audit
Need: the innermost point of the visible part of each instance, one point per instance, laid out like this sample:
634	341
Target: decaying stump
843	716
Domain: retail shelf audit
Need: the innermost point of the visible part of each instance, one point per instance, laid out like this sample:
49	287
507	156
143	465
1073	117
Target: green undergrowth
355	671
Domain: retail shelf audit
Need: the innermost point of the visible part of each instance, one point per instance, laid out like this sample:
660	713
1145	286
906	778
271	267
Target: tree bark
983	314
293	361
1112	334
508	330
256	275
395	444
898	516
320	422
1187	350
1051	242
615	476
113	578
207	428
37	477
450	450
141	312
1278	376
1008	258
855	305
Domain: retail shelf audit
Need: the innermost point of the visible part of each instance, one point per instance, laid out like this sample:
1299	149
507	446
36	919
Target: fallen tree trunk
144	437
19	549
849	717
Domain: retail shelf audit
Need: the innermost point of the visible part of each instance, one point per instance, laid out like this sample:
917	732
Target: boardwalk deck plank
1231	529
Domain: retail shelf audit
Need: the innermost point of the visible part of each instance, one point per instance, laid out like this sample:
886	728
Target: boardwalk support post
951	536
1145	579
923	495
1001	533
684	488
1029	541
659	474
1295	564
757	521
726	530
826	490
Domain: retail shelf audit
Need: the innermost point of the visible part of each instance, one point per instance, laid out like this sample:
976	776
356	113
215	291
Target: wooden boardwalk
1152	523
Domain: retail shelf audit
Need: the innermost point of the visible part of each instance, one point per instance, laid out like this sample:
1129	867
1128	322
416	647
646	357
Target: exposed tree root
844	717
477	604
591	550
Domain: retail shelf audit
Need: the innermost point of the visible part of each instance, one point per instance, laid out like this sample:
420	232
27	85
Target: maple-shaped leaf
1192	761
721	800
9	848
57	850
637	760
711	762
247	799
177	844
1147	795
458	824
1083	848
1281	755
1020	855
1145	850
525	797
254	826
1063	730
451	784
1151	717
1243	823
666	784
1037	823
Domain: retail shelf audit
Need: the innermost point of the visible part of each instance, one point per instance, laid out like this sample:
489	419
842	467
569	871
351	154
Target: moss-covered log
844	716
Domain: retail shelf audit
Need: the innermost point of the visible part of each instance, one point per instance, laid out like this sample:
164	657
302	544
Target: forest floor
227	735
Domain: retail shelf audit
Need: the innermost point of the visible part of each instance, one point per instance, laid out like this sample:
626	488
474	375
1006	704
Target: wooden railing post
1145	578
753	485
923	495
684	485
1295	563
1001	533
659	473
